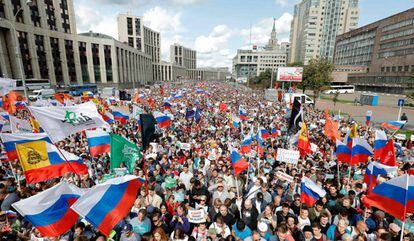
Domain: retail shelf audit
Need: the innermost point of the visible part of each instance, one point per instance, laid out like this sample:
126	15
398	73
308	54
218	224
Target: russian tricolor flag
368	117
264	133
310	192
343	153
393	125
108	117
260	144
246	144
239	164
395	196
242	114
235	122
104	205
373	170
99	142
49	211
163	120
275	132
379	143
167	105
10	141
361	150
120	115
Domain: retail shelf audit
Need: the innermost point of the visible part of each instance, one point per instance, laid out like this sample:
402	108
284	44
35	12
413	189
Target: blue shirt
242	234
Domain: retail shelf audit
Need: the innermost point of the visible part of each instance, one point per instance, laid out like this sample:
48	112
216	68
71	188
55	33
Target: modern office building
132	31
183	56
209	74
53	52
315	25
167	71
250	63
385	48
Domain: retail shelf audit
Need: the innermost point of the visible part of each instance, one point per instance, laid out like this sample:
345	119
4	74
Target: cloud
282	2
89	19
161	19
187	2
216	40
212	49
260	31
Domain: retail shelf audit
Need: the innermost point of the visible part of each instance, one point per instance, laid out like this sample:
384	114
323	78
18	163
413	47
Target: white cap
262	227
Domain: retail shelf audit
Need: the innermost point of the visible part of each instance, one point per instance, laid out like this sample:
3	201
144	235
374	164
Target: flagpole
248	169
70	165
238	193
405	207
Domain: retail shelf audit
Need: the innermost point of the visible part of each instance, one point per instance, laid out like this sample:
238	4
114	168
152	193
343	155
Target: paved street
380	113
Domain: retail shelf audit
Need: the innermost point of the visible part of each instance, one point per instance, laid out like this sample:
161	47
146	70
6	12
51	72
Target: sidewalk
379	113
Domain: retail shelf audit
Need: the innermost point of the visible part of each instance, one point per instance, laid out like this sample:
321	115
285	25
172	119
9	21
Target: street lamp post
18	52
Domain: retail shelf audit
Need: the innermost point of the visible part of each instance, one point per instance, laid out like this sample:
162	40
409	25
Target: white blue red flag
49	211
10	141
163	120
374	169
99	142
361	150
104	205
379	143
310	192
395	196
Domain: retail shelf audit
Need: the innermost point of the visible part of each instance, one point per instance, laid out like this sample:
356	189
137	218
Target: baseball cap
128	227
262	227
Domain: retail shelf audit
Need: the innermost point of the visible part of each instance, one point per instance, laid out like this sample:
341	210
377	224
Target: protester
191	165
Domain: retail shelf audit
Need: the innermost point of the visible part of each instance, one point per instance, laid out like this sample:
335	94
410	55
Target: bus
342	89
77	90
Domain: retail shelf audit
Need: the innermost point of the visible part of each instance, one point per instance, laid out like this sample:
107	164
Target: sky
215	28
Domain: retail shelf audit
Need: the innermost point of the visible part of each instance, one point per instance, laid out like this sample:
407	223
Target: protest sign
284	176
196	216
288	156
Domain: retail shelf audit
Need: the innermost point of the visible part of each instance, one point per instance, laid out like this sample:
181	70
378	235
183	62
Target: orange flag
331	128
61	97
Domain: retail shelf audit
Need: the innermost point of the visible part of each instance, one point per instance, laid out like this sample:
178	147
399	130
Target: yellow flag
354	131
33	155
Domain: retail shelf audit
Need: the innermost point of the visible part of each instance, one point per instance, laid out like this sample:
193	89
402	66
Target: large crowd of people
188	167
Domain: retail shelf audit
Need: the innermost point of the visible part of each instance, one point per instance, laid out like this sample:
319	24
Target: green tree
317	75
335	99
263	80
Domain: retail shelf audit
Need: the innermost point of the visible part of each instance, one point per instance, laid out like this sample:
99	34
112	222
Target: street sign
401	102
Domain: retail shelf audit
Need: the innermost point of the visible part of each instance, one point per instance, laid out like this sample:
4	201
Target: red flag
162	89
277	85
223	107
331	128
136	97
151	103
388	154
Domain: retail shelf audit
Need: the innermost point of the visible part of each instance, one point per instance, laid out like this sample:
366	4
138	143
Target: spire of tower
274	27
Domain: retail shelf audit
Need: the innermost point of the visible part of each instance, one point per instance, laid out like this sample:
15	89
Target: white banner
20	126
288	156
6	85
61	122
196	216
284	176
293	74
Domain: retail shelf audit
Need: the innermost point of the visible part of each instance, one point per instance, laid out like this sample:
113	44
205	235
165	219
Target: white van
42	94
303	98
109	92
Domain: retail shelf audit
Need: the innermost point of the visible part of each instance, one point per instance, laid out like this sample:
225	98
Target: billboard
293	74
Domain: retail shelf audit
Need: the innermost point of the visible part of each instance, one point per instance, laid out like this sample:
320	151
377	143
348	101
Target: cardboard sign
288	156
185	146
284	176
196	216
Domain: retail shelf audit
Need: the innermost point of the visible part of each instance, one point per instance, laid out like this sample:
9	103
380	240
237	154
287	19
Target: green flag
124	151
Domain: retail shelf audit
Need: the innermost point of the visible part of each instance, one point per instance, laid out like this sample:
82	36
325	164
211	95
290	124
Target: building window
41	56
65	16
57	63
2	10
108	63
96	62
382	69
34	14
16	7
70	60
393	69
24	50
50	15
138	27
406	68
131	41
129	26
83	62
